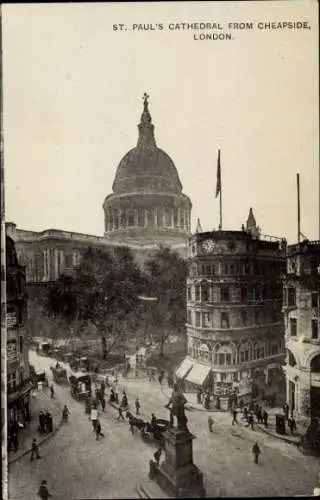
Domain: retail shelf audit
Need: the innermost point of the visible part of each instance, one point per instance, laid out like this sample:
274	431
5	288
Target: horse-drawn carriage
150	431
80	386
44	349
59	374
39	380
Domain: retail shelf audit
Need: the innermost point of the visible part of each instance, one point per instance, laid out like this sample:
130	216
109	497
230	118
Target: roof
184	368
198	374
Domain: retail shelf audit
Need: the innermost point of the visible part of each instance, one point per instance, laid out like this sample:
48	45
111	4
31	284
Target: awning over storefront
20	393
184	368
198	374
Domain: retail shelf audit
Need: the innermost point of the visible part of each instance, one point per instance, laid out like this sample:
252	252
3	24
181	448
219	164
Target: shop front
18	404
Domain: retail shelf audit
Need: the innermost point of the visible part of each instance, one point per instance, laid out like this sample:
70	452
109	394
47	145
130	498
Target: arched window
197	290
315	364
204	352
204	291
223	356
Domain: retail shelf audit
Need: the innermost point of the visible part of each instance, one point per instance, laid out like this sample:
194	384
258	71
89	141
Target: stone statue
176	406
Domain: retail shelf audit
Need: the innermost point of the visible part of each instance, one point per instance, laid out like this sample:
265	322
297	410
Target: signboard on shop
11	320
11	350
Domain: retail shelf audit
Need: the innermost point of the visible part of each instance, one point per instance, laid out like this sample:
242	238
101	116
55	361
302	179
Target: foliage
167	273
104	291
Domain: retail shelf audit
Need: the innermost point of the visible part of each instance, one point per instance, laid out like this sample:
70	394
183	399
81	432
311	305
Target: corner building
301	307
234	320
18	382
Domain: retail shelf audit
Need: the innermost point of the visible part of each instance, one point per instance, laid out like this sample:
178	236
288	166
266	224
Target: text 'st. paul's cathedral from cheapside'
147	206
146	209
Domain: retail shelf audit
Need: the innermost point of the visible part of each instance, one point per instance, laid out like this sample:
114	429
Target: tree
167	274
108	286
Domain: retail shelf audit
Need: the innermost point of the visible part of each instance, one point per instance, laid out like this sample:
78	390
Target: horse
135	422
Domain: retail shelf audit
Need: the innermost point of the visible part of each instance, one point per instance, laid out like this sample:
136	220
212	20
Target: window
221	359
291	296
21	345
12	380
293	327
68	260
228	359
244	317
208	270
314	328
175	218
189	318
141	217
204	292
189	293
203	270
314	299
225	294
226	269
243	293
244	355
260	352
198	318
206	319
131	217
274	349
123	219
224	320
168	220
150	217
257	317
197	289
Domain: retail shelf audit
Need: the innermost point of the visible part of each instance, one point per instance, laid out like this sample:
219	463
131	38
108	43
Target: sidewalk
39	400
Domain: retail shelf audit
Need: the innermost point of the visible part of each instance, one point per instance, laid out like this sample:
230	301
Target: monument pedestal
177	475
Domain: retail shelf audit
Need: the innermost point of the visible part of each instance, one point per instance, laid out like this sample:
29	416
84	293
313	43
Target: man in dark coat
43	491
34	449
265	418
41	422
49	423
256	452
98	430
52	391
137	404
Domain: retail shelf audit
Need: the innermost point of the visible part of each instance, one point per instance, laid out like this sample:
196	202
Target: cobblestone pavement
76	466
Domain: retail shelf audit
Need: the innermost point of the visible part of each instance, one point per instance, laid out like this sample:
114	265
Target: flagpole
220	225
298	200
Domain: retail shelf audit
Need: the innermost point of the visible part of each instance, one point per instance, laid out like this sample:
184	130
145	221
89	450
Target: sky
72	99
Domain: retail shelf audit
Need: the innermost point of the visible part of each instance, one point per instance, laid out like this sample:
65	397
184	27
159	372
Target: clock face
208	246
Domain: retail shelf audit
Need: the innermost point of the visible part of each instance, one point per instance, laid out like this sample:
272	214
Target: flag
218	188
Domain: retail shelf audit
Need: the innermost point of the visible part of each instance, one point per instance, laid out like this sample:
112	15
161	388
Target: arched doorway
291	387
315	386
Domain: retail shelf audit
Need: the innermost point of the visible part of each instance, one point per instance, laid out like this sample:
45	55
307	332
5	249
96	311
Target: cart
59	375
80	386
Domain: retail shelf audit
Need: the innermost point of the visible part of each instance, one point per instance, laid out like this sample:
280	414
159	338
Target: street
77	466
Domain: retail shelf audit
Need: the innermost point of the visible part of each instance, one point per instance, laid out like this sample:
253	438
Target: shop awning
184	368
198	374
20	393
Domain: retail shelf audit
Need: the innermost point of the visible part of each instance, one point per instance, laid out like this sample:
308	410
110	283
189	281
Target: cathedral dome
146	167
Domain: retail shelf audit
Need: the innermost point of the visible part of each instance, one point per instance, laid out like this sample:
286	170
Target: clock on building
208	246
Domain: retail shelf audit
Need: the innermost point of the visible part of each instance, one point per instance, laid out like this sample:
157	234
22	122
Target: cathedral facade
146	209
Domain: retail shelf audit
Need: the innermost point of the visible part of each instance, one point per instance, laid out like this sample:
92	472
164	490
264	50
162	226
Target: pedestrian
65	414
41	422
137	403
94	418
120	414
34	449
112	398
98	430
103	404
292	425
234	417
245	413
256	452
51	391
153	421
251	421
157	455
210	423
241	404
14	439
286	410
46	421
49	423
265	418
124	402
116	398
43	491
199	396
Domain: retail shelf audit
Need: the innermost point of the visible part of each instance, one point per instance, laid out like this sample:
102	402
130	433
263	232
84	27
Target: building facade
18	381
234	320
301	308
146	209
